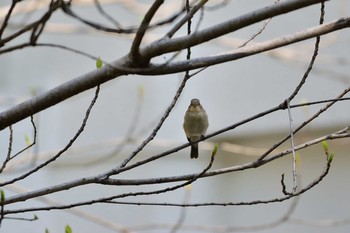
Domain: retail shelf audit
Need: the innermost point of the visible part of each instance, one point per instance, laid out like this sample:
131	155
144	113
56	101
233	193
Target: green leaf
2	194
215	150
36	217
325	146
27	139
99	63
68	229
47	230
330	158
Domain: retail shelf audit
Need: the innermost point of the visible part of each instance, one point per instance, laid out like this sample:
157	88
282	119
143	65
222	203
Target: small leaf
330	158
27	140
47	230
99	63
68	229
2	193
325	146
215	150
36	217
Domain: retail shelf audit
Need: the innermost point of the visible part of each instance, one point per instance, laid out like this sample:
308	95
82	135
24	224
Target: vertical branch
313	58
317	114
8	157
293	148
187	76
295	92
2	200
185	19
189	23
7	18
34	139
306	74
134	51
39	28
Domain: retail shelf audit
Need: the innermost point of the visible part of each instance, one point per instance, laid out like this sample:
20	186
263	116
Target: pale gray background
229	92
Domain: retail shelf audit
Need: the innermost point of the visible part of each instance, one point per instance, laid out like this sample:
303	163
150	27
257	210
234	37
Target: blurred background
129	107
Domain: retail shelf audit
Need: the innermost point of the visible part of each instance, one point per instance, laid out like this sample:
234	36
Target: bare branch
245	203
7	18
9	150
304	124
313	58
36	26
188	16
119	67
80	130
131	194
163	46
134	51
157	69
154	132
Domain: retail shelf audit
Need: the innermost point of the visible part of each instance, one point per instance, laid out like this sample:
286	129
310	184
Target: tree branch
158	69
134	51
163	46
120	67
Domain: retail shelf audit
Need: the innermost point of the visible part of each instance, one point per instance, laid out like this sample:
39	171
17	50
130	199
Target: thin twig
80	130
6	19
131	194
344	133
260	31
313	58
304	123
104	13
245	203
9	150
34	139
291	131
181	219
185	19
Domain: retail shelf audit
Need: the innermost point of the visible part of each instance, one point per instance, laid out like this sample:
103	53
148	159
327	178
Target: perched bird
195	124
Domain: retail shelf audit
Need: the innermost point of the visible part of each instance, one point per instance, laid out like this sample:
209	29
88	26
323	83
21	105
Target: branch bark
122	66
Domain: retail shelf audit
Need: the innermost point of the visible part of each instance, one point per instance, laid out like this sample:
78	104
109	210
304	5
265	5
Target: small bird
195	124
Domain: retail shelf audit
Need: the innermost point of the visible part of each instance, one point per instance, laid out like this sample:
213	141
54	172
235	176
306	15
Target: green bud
2	193
68	229
325	146
99	63
330	158
215	150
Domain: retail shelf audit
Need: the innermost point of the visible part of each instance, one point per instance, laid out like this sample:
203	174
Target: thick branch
121	66
134	51
157	69
57	95
163	46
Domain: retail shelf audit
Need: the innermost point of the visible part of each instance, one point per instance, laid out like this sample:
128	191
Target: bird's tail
194	151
